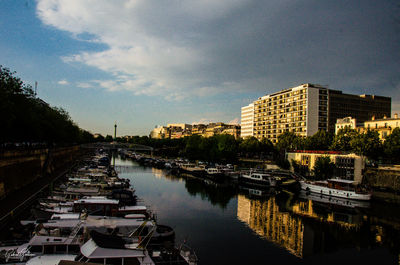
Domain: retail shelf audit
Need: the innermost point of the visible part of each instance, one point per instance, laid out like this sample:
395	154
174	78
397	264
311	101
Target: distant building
383	126
305	109
360	107
302	110
199	129
247	121
179	130
348	166
347	122
160	132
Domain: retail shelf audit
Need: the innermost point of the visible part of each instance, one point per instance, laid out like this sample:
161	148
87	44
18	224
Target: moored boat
258	178
338	188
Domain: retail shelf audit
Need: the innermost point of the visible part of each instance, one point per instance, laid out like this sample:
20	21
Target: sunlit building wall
267	221
247	121
348	166
302	110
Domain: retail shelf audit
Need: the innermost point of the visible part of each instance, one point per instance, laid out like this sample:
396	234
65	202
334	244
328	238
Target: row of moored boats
339	188
95	217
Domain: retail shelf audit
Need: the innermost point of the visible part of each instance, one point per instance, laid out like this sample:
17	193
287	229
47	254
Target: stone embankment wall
385	182
22	167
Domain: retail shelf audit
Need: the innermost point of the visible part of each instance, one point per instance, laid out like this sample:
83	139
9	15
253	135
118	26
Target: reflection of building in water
266	220
307	228
342	218
159	174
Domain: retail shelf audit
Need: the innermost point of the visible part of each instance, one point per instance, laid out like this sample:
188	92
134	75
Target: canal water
229	224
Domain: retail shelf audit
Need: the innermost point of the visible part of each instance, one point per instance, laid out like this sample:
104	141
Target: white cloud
202	121
63	82
84	85
234	121
178	49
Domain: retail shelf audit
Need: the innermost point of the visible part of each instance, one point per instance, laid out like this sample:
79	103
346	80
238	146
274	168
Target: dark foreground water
228	224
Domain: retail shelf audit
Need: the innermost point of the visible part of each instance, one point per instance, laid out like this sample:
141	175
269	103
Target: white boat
333	200
336	187
258	178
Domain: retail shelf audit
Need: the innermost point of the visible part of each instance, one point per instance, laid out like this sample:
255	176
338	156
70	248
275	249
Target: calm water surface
227	224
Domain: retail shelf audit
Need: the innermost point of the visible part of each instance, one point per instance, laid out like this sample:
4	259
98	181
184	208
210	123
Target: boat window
36	249
73	249
61	249
101	261
49	249
114	261
124	196
131	261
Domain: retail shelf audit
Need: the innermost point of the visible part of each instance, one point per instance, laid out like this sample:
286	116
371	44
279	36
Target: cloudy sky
141	63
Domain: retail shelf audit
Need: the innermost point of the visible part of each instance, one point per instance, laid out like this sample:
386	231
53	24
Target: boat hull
334	192
257	182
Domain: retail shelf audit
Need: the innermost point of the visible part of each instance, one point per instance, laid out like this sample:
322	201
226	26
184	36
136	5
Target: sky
142	63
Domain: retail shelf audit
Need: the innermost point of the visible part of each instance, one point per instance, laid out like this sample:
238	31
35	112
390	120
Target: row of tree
348	140
227	148
25	118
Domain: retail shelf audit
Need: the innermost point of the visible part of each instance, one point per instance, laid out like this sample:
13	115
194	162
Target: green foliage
319	141
391	146
25	118
287	141
341	141
367	144
298	168
214	149
108	138
323	168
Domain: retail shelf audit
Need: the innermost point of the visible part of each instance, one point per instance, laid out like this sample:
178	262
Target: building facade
383	126
302	110
347	122
247	121
360	107
305	109
348	166
179	130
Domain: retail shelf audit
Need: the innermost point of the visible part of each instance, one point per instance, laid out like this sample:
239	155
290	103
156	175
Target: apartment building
302	110
179	130
247	121
305	109
360	107
383	126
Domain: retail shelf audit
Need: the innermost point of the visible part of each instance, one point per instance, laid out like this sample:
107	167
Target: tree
249	146
287	141
21	112
323	168
391	146
341	141
298	168
227	147
108	138
321	140
367	144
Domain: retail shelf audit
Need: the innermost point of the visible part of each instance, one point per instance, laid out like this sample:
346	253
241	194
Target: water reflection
268	221
218	194
305	227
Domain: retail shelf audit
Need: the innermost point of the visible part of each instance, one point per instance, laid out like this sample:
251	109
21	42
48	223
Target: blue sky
144	63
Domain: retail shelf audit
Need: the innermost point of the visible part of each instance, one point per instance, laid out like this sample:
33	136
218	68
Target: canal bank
24	174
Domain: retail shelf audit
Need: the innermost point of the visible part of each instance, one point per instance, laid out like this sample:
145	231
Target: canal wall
385	182
19	168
